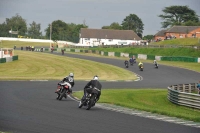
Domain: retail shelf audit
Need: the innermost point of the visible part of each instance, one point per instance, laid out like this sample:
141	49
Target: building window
110	40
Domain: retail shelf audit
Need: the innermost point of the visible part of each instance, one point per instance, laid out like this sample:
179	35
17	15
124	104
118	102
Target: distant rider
126	62
155	62
69	81
92	84
140	64
198	87
131	60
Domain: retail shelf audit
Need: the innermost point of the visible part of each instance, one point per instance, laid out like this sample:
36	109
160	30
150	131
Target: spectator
198	87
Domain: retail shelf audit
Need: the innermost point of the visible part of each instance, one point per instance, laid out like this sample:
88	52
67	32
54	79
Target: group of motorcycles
141	67
63	91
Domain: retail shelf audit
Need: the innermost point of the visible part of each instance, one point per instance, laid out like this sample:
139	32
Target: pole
50	33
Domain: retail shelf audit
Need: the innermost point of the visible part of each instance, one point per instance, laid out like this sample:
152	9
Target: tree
148	37
191	23
64	31
34	30
114	25
133	22
16	23
58	28
177	15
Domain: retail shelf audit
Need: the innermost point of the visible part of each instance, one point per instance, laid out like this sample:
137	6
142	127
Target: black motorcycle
141	67
156	65
90	100
62	91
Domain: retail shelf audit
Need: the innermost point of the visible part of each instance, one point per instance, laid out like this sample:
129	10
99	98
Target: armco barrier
117	54
9	59
15	57
111	54
139	56
150	57
2	60
105	53
181	95
124	55
158	58
142	56
184	59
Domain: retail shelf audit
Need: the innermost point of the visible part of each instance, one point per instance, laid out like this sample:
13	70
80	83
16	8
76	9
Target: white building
95	37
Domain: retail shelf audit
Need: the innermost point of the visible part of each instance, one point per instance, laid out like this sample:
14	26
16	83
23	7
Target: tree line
172	15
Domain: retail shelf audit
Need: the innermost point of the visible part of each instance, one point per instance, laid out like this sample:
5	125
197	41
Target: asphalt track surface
31	107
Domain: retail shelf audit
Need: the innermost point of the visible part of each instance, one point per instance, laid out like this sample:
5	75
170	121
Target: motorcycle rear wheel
91	102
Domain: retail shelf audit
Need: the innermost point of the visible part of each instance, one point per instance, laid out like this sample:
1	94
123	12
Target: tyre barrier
182	95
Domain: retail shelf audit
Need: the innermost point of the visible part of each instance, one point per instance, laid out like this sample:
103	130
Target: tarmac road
31	107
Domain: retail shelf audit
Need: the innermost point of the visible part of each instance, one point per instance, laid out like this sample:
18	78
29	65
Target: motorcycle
62	90
131	63
141	67
90	100
126	65
156	65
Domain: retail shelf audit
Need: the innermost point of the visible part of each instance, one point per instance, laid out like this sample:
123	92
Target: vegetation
63	31
191	52
11	44
131	22
44	66
178	15
180	41
151	100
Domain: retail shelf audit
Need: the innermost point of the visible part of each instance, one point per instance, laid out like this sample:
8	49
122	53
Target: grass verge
45	66
151	100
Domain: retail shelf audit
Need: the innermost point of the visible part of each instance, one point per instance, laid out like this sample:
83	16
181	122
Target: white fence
181	95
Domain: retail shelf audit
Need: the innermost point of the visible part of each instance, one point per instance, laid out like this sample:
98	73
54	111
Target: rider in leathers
93	84
69	81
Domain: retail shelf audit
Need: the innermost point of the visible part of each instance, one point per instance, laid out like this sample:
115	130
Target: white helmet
96	77
71	74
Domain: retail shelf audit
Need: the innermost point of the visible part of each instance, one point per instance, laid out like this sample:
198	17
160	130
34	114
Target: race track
31	107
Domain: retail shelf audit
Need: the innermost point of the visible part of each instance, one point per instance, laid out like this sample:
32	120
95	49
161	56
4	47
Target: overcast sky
96	13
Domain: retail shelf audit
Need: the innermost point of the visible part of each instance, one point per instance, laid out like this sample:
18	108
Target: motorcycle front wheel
63	93
80	104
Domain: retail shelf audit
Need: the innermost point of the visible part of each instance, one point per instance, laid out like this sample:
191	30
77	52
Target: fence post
183	87
190	88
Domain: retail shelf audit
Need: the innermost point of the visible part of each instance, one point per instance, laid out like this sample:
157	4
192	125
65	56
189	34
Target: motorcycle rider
126	62
69	81
140	64
92	84
155	63
131	60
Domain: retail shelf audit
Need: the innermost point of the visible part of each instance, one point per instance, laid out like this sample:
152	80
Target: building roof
182	29
109	34
161	33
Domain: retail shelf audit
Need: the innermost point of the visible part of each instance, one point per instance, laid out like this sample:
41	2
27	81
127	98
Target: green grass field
19	44
151	100
180	41
41	66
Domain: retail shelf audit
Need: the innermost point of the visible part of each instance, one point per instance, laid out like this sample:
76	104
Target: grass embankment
180	41
19	44
151	100
40	66
190	52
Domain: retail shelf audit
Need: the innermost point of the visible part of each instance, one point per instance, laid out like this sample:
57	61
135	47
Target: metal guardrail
181	95
138	46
